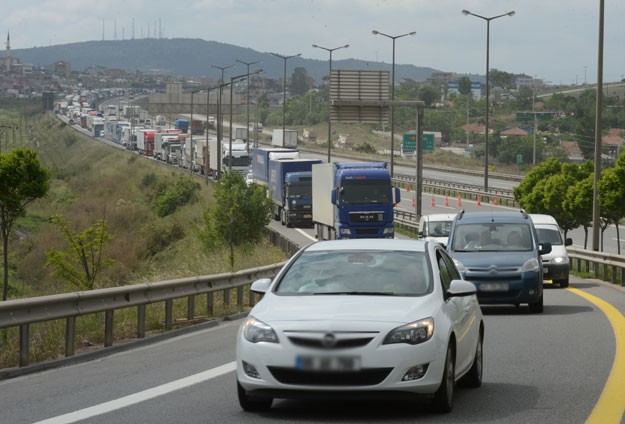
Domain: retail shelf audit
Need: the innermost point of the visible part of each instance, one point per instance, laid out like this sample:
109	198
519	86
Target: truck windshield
237	161
356	192
301	191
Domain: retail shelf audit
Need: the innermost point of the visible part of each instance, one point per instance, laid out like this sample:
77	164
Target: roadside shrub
159	235
172	194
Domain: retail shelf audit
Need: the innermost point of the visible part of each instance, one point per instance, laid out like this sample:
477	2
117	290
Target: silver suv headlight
530	265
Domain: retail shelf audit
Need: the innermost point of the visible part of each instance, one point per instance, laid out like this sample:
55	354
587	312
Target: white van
436	227
556	264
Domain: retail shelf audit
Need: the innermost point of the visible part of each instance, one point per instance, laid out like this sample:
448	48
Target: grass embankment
89	182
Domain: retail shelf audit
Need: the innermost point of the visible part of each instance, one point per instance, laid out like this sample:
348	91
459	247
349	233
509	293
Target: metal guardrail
23	313
466	191
604	266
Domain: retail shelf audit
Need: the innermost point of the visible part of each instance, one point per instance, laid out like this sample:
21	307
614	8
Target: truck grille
366	216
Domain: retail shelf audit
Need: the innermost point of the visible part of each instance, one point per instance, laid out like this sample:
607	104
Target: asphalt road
543	368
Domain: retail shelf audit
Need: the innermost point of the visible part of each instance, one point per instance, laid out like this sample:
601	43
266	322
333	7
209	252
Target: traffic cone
478	201
446	201
459	202
495	201
433	201
414	203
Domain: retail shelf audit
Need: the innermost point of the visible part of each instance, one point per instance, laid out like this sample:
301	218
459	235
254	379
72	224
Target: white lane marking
134	398
304	233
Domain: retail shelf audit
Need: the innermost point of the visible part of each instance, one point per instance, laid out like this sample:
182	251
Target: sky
553	40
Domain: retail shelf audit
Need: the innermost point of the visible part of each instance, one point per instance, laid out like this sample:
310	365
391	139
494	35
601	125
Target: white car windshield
392	273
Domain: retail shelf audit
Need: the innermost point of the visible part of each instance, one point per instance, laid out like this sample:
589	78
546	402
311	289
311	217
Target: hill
193	57
92	181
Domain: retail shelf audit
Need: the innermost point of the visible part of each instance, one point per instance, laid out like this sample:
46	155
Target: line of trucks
339	200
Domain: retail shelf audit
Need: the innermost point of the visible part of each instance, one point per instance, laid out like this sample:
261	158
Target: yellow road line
611	405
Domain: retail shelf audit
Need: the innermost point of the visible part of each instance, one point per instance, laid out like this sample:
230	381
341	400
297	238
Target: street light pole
285	58
220	122
393	37
190	154
232	81
329	107
247	99
487	19
596	208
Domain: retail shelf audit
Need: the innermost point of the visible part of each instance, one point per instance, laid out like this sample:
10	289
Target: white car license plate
492	287
327	363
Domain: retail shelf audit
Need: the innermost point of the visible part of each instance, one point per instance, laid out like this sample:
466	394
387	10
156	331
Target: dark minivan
499	252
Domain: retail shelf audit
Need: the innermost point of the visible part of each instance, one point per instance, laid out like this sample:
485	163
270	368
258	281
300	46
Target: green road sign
409	144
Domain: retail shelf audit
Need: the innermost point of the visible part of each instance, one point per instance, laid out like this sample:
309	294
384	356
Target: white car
386	317
436	227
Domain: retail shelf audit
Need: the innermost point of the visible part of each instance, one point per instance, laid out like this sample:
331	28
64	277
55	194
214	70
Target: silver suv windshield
493	237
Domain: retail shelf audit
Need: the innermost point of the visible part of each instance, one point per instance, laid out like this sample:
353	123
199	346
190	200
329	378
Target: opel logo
329	340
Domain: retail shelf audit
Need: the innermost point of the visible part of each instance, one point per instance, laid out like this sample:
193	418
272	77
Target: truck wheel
283	217
276	213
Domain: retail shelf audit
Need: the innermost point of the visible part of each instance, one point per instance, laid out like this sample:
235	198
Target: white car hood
343	308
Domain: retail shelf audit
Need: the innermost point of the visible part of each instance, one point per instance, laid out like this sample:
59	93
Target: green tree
22	180
501	79
263	108
82	263
612	197
464	85
239	215
578	203
429	94
556	189
299	81
525	194
524	98
507	150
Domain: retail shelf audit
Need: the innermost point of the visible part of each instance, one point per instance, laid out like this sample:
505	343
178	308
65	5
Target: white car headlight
530	265
413	333
559	260
256	331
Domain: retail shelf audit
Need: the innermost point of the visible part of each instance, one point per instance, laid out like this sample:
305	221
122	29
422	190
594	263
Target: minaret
8	44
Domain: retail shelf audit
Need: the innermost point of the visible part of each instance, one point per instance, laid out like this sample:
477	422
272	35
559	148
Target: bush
159	235
170	195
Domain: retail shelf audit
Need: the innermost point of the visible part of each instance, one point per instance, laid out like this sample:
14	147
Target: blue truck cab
290	185
353	200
